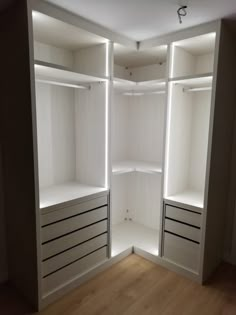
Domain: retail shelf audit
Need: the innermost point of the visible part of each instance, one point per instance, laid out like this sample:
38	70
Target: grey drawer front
73	254
183	215
67	212
59	245
182	252
67	274
183	230
69	225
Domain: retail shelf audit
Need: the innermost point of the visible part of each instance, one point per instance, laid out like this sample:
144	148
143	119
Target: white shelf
129	233
50	73
57	194
123	85
194	80
122	167
189	198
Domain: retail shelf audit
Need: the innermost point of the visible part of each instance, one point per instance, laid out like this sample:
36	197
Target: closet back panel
56	134
90	108
119	196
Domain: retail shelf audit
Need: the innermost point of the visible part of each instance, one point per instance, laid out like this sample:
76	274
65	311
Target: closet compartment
71	104
193	56
187	142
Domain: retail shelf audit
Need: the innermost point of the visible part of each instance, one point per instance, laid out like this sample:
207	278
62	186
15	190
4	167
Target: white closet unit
138	122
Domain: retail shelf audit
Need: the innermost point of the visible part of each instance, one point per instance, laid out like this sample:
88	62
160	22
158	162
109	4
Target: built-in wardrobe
111	147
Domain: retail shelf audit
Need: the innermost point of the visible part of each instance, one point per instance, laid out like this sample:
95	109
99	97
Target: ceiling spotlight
181	12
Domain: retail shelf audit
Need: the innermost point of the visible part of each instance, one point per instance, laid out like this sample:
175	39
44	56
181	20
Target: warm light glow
168	140
107	119
172	52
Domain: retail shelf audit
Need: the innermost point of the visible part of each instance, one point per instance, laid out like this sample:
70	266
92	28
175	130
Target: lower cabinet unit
74	239
182	237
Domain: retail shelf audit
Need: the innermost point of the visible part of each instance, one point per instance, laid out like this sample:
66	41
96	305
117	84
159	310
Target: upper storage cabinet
71	106
193	56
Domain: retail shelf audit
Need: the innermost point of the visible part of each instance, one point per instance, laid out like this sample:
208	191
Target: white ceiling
144	19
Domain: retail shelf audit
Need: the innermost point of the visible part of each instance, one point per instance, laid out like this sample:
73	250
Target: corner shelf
58	194
129	166
58	75
151	86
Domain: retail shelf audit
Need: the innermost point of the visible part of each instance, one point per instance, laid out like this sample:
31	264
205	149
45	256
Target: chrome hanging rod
75	86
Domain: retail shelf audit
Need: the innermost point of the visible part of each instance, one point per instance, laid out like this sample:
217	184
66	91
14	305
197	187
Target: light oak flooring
136	286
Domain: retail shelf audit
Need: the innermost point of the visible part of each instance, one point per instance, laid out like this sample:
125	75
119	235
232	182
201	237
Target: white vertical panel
184	63
90	135
204	63
119	197
51	54
91	60
199	143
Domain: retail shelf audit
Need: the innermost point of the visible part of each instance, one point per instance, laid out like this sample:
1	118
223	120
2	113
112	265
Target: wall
3	256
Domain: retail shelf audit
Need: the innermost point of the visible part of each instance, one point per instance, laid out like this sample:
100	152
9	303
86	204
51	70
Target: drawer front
61	214
59	245
59	261
183	215
69	225
181	251
67	274
184	230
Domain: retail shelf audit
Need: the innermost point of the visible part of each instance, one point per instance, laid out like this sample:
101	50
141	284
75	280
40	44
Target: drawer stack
74	239
182	237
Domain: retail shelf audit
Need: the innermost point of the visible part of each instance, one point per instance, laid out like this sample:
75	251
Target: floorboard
136	286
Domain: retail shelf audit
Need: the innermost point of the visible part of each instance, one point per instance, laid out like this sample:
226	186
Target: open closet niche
189	120
138	123
71	88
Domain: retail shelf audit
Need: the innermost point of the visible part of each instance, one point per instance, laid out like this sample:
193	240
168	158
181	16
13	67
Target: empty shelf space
122	167
50	73
194	82
130	233
188	198
58	194
152	86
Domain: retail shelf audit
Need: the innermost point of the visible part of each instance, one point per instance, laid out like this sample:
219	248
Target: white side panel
184	64
199	142
180	141
56	138
91	60
90	135
204	64
51	54
119	198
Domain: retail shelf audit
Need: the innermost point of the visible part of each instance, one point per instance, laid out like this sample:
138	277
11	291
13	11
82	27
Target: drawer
61	228
73	271
181	252
183	215
61	214
184	230
59	245
59	261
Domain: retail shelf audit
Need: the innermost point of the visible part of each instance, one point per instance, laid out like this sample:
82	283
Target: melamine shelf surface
189	198
129	233
194	80
58	194
47	72
140	86
128	166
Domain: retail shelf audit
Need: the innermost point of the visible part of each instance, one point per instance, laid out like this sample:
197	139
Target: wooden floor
136	286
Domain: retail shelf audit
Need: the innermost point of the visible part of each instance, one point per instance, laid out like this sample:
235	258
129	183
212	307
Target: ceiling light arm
182	12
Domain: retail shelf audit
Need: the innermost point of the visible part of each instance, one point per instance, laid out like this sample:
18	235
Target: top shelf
53	74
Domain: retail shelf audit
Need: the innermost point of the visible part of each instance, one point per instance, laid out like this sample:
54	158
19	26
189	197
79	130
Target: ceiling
144	19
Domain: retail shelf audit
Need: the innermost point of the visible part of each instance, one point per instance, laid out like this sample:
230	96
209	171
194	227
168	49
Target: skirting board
74	283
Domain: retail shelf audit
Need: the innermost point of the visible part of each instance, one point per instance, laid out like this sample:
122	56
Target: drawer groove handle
185	223
74	261
56	238
65	250
180	236
72	216
192	211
